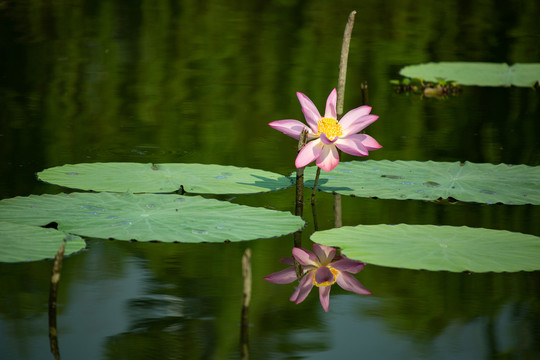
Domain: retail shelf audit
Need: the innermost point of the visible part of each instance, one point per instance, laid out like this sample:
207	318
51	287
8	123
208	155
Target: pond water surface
198	81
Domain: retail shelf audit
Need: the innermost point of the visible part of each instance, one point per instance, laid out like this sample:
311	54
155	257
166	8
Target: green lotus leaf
433	247
482	183
20	242
146	217
163	178
476	73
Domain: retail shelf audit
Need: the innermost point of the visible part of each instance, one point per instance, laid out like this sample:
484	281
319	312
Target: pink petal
323	275
324	297
352	144
324	253
284	276
305	102
292	128
349	265
328	158
369	142
353	115
326	141
305	257
311	119
309	153
295	294
330	111
303	289
358	125
350	283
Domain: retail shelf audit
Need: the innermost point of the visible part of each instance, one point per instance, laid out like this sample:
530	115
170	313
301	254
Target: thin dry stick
342	77
246	300
314	213
338	218
299	210
338	215
315	183
299	205
246	273
298	244
55	278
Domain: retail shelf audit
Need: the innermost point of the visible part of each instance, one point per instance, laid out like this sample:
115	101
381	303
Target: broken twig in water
246	300
53	291
342	78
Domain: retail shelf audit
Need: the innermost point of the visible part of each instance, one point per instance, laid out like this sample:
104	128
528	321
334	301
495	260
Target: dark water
198	81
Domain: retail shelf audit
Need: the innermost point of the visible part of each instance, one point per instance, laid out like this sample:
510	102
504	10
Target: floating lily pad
430	180
163	178
147	217
29	243
433	247
476	73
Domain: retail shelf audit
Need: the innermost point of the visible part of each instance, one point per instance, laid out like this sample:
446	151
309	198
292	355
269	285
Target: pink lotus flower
328	134
322	269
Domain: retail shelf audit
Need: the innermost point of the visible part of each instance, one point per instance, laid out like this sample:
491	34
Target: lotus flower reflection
329	134
322	268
